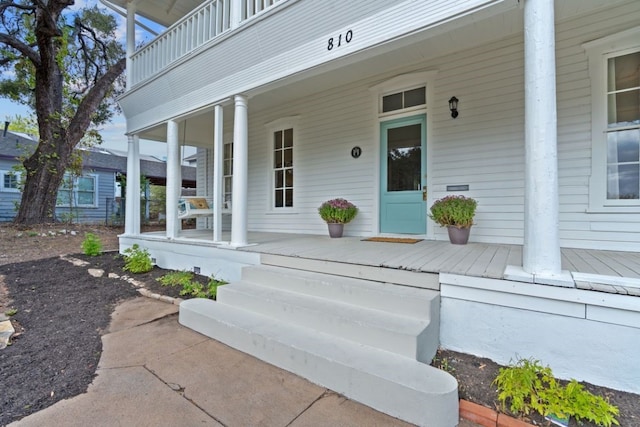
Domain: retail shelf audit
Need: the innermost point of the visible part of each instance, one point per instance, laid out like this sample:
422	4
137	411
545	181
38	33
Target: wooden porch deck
429	256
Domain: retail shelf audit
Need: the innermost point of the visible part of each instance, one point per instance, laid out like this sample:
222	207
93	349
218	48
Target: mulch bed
62	312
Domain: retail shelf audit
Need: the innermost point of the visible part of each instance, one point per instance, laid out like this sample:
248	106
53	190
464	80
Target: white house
294	102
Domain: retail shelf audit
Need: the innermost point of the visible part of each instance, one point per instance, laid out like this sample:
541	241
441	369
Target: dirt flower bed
62	311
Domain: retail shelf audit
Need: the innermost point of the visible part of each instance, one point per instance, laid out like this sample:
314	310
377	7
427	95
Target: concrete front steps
369	341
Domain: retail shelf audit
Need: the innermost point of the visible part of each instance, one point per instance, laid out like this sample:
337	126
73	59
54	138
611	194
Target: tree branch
21	47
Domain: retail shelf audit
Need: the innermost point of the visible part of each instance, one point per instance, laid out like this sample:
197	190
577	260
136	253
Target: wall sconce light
453	106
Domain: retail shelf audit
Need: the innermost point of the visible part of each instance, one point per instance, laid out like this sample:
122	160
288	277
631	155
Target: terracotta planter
458	236
335	230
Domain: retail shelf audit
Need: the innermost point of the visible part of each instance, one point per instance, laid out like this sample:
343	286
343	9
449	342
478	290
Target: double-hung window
283	168
78	191
614	64
10	181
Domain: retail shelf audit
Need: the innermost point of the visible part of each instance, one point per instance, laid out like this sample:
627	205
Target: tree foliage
66	65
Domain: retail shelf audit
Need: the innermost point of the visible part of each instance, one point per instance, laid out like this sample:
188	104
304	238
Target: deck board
430	256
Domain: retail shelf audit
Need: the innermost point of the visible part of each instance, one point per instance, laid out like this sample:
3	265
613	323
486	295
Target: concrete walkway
155	372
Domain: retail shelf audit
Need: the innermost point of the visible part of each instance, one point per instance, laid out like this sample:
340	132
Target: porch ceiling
164	12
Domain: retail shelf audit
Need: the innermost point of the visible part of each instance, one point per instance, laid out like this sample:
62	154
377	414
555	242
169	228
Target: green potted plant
336	213
456	213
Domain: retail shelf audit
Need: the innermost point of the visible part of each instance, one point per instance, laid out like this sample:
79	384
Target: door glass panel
404	158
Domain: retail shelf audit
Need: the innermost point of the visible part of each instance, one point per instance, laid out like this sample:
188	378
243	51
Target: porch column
132	196
131	40
174	180
541	253
240	171
218	157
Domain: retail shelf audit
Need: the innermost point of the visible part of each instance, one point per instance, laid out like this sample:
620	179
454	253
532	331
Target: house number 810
332	42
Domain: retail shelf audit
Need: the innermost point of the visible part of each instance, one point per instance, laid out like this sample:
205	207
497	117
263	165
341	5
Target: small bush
137	260
191	287
530	386
176	278
91	245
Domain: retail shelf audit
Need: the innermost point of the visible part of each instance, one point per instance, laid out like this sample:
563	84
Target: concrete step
405	300
394	384
405	335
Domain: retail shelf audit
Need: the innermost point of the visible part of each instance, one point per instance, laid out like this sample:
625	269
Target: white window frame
75	192
598	52
9	189
272	127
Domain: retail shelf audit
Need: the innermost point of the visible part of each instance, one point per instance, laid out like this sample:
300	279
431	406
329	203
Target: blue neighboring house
93	196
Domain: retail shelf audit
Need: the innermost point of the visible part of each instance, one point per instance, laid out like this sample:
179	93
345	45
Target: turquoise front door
403	168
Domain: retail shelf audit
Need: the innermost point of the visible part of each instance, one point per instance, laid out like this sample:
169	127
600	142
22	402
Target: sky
113	133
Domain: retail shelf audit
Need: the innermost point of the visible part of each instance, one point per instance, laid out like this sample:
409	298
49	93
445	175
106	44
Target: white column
131	40
240	172
541	252
218	157
174	179
132	197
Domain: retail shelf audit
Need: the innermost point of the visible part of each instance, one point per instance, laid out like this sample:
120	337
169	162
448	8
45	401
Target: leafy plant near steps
528	385
190	287
137	260
91	245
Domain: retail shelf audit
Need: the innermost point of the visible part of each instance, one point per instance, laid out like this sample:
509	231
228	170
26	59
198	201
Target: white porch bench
193	207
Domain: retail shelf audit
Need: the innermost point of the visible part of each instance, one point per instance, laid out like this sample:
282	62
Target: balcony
210	20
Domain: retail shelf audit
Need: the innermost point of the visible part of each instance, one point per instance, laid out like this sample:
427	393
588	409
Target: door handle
424	193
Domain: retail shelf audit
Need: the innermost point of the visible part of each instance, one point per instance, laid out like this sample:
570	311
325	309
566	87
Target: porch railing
205	23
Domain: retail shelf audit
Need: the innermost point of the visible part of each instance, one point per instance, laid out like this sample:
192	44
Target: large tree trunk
44	174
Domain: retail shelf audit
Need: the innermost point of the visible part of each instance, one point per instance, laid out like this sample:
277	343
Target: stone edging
96	272
487	417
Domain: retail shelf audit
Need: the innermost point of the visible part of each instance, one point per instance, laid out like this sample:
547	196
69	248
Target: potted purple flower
336	213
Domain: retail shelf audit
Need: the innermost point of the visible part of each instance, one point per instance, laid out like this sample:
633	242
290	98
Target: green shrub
457	211
91	245
137	260
176	278
191	287
530	386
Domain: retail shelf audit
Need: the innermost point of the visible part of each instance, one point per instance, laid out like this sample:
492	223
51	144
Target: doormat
392	240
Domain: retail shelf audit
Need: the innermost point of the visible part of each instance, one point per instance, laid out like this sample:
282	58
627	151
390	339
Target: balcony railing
203	24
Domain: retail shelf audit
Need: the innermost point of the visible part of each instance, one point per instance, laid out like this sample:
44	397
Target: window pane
288	158
623	182
392	102
289	198
279	183
63	197
85	183
623	170
626	71
289	178
404	158
288	138
623	146
277	159
279	199
277	139
85	198
624	107
414	97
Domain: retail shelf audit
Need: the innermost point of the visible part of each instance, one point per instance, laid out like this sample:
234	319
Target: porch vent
153	260
196	270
